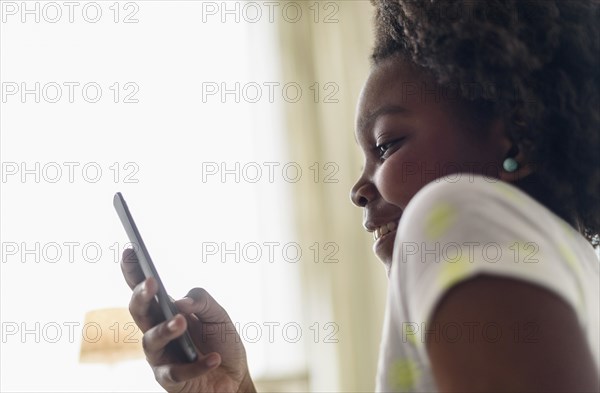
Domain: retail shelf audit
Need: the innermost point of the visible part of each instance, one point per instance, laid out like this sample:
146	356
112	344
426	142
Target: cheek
406	171
395	181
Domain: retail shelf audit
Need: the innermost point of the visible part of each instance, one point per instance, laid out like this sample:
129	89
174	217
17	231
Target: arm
548	354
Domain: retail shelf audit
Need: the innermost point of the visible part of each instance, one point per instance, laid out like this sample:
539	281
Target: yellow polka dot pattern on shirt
569	257
508	191
409	334
403	374
567	229
453	271
439	220
567	254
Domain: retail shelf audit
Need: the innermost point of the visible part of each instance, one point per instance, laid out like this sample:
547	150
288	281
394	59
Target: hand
221	365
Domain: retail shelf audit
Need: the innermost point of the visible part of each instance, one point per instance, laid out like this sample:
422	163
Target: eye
384	149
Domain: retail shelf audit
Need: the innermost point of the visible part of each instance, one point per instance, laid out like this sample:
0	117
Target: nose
362	192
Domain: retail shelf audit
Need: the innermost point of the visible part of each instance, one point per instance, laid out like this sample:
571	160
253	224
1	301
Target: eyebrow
384	110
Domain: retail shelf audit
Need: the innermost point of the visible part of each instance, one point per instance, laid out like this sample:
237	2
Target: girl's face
410	133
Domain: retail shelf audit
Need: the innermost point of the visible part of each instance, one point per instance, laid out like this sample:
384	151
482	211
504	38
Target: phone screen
164	300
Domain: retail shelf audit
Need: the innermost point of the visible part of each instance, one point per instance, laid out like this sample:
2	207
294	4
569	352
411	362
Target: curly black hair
541	59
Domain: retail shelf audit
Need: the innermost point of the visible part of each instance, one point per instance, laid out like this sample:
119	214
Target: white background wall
161	142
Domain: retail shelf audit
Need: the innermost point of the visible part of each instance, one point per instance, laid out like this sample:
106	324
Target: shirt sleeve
453	231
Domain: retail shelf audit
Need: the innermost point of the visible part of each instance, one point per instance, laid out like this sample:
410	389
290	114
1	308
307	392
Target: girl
479	125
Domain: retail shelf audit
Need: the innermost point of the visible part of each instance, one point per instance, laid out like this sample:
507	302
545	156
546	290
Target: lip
373	223
390	236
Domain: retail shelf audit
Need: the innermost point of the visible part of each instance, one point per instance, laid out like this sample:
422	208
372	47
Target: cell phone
169	310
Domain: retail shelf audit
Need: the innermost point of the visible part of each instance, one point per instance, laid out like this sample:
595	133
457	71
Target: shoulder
455	229
475	252
463	199
462	225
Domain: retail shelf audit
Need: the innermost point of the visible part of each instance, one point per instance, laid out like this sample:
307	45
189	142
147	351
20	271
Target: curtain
350	293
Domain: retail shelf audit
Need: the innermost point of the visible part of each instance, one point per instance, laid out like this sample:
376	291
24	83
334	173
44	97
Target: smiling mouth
384	230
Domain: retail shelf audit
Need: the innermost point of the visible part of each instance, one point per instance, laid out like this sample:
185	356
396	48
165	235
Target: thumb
200	303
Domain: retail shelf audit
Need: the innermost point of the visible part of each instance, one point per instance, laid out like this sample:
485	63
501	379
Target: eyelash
386	146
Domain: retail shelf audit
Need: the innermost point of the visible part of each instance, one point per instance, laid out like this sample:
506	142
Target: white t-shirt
462	225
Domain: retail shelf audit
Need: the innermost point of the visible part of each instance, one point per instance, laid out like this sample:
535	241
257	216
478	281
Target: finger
156	339
177	373
143	307
131	268
203	306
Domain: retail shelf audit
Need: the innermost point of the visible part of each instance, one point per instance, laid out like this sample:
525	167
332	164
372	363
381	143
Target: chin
384	249
388	268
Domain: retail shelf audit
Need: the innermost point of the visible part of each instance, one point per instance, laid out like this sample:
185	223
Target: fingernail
212	361
172	325
187	301
148	284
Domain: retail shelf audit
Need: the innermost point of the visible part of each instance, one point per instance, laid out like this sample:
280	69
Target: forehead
392	82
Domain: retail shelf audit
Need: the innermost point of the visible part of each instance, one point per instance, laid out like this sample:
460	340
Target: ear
505	147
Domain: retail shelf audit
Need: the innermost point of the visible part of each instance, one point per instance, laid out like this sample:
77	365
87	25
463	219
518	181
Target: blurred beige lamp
109	335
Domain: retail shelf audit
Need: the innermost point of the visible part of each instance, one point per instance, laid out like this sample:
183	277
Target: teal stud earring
510	164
